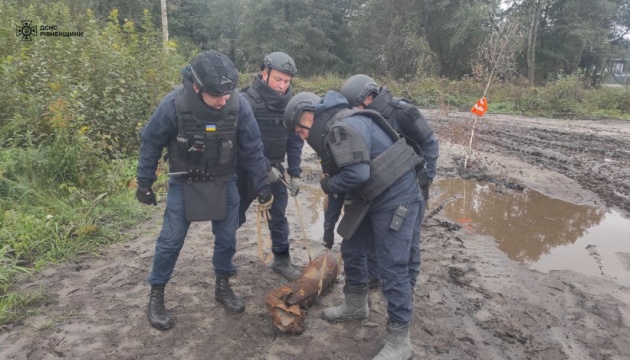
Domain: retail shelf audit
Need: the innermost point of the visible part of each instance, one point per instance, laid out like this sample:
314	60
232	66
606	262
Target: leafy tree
310	31
387	39
403	37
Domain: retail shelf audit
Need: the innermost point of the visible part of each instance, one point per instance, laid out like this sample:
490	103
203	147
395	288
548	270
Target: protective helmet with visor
214	73
357	88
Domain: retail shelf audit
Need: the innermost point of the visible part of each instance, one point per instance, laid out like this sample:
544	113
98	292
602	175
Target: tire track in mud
476	295
474	302
594	153
594	161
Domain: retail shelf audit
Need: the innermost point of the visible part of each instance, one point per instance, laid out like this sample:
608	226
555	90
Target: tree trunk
531	42
164	23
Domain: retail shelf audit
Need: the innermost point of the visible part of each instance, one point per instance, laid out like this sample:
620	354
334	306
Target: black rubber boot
156	312
354	305
282	265
224	294
397	343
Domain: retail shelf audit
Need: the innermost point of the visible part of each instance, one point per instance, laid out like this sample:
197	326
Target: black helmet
357	88
214	73
295	107
279	61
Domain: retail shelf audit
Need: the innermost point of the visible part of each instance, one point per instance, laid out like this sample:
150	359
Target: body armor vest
386	168
205	145
403	117
269	113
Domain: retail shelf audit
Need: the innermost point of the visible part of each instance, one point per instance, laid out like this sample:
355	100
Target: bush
614	100
103	85
70	110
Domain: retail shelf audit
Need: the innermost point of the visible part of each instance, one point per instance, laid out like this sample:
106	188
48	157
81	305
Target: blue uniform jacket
162	127
352	176
294	154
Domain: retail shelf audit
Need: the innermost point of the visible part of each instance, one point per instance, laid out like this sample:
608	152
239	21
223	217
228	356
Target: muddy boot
397	344
282	265
354	306
158	317
374	283
224	294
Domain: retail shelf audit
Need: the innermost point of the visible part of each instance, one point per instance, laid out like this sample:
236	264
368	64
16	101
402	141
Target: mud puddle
540	232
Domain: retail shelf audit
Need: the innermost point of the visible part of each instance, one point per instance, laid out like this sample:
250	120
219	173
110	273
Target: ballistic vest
385	169
268	107
205	146
403	117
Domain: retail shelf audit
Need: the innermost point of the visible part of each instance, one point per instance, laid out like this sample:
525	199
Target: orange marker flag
481	107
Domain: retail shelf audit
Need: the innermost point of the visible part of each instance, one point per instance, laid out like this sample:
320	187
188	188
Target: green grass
43	223
58	320
563	98
15	307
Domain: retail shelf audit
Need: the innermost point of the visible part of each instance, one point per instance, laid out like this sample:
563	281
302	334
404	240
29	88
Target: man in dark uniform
362	155
268	96
204	124
363	92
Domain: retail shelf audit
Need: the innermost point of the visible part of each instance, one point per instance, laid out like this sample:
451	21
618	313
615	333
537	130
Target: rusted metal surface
288	302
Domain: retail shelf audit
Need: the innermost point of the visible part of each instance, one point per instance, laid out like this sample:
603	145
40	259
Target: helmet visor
306	104
367	90
287	66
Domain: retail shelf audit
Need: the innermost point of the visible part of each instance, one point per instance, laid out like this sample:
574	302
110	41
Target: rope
304	240
262	218
308	249
321	276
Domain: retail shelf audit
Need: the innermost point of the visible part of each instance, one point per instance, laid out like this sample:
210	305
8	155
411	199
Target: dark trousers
278	225
175	227
397	252
331	216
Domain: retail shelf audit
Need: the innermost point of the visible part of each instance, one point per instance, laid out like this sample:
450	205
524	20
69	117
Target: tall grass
70	111
566	97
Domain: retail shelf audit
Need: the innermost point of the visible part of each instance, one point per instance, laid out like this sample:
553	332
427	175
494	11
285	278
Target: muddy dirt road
471	302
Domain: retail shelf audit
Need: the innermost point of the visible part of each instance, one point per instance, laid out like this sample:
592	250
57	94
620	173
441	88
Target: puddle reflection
541	232
312	213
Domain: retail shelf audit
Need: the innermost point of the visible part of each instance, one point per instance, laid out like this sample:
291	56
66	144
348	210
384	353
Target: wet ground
541	232
533	187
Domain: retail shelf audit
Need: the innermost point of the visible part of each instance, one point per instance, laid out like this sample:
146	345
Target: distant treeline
401	39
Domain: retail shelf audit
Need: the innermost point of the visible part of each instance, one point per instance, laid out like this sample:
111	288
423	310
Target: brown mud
471	301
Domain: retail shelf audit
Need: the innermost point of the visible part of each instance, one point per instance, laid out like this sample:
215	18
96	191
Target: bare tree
496	53
531	39
164	23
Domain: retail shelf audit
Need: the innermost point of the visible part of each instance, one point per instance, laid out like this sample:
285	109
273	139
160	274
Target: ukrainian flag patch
211	128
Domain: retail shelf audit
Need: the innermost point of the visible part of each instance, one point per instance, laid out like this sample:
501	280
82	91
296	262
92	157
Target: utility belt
198	175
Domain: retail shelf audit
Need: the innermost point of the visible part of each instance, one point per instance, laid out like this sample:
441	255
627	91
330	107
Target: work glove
146	196
329	238
324	183
294	186
425	193
265	199
273	174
